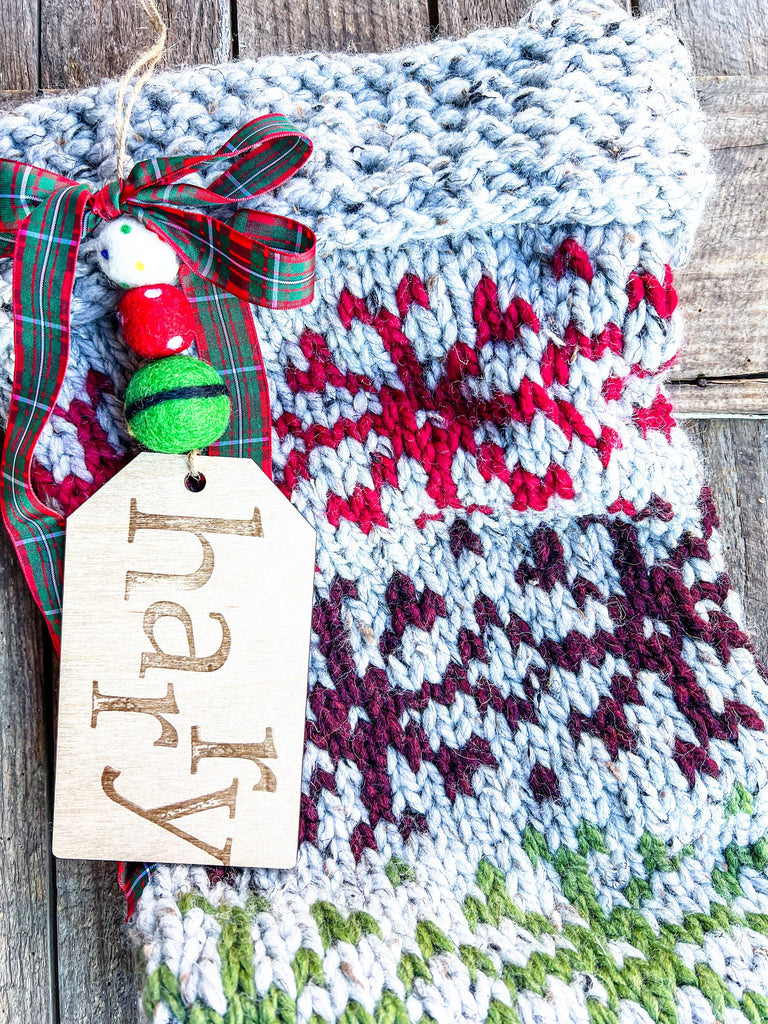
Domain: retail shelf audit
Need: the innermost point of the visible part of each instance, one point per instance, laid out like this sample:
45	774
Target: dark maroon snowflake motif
381	708
657	594
660	594
361	718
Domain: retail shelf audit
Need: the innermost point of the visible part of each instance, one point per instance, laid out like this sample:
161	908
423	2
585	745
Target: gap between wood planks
720	397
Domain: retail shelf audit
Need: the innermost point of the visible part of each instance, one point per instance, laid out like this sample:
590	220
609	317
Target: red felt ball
157	320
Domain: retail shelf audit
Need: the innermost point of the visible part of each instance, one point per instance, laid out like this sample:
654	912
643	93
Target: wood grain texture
27	964
706	398
97	977
18	44
724	290
735	454
199	593
266	26
457	17
83	41
723	38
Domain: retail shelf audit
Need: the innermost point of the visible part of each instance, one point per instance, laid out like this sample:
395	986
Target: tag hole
194	483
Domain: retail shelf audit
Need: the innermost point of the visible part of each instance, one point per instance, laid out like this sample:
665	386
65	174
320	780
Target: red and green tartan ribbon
251	258
133	878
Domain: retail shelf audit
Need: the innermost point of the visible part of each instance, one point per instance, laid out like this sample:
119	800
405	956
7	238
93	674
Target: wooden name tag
184	660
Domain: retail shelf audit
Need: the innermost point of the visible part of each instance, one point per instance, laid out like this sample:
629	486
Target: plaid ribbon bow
252	258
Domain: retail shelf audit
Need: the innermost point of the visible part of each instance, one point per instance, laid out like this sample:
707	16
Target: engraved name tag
184	658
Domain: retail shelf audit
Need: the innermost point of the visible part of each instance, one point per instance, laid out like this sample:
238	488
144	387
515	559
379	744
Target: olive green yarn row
650	982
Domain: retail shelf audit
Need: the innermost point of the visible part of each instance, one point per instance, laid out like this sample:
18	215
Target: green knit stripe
335	928
649	979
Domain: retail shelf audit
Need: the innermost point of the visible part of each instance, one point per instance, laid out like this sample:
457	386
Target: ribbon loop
255	258
106	203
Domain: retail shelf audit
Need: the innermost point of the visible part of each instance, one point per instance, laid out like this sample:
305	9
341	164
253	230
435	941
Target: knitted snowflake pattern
535	768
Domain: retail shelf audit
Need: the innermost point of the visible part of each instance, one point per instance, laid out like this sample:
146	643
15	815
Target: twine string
128	93
192	469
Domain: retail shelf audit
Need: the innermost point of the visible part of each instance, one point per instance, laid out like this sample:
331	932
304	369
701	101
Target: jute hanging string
128	92
143	67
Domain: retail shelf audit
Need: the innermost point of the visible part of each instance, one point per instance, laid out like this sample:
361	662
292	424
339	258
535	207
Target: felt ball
176	404
132	256
157	320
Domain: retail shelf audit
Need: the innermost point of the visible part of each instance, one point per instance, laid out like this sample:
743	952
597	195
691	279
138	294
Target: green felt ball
177	404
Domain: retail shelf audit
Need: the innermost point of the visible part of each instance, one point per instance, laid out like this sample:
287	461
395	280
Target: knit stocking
535	768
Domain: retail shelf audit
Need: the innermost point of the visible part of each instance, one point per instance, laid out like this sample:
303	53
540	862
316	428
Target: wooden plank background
63	959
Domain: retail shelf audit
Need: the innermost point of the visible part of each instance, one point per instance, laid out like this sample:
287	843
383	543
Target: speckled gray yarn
535	776
550	124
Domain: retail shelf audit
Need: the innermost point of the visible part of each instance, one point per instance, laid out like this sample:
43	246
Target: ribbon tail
22	188
45	256
227	339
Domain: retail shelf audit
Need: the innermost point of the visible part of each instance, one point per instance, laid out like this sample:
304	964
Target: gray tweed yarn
535	765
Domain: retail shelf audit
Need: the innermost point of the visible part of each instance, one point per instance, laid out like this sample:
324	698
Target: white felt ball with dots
132	256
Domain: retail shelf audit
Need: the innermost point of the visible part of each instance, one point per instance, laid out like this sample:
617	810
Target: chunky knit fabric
535	769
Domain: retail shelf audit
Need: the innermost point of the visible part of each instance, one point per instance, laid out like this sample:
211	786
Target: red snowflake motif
100	458
434	424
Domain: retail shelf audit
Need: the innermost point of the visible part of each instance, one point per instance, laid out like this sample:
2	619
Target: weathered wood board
96	962
724	290
357	25
457	17
82	41
722	38
717	397
18	45
27	951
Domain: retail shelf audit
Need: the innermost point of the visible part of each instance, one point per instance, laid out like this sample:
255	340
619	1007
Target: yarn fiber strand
534	783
